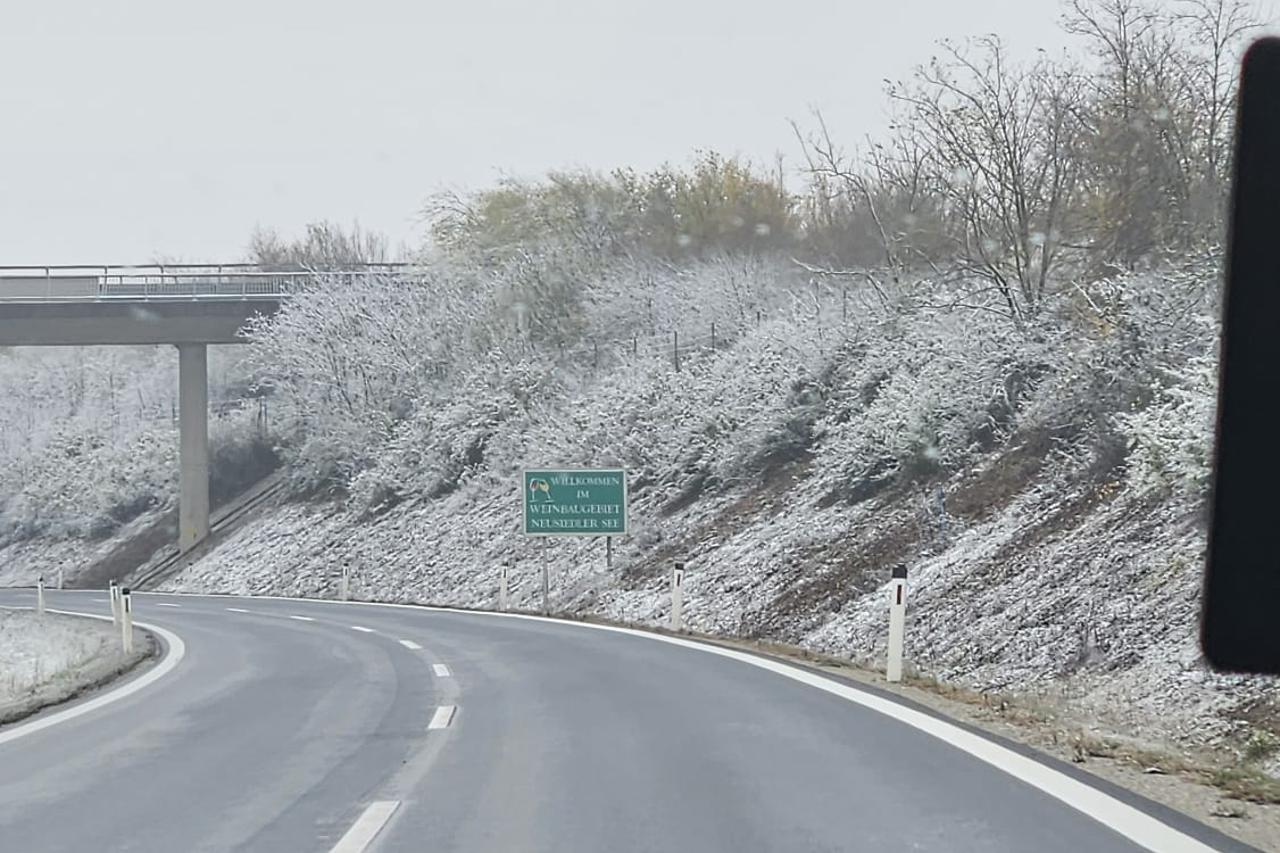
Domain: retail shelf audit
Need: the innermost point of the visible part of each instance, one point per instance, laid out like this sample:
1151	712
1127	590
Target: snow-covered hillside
1043	483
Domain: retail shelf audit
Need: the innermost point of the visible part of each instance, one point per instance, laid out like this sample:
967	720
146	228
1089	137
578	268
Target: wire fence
829	313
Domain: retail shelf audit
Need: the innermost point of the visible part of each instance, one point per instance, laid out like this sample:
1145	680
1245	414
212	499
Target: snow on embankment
1044	482
49	659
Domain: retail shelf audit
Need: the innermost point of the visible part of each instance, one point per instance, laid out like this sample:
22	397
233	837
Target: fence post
635	344
675	349
897	623
713	337
844	305
595	354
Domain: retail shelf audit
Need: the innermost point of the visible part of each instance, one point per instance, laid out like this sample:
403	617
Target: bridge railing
169	281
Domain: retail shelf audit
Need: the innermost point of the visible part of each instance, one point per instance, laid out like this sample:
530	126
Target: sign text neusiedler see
575	502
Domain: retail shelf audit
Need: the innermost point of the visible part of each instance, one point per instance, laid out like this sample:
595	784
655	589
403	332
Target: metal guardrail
67	282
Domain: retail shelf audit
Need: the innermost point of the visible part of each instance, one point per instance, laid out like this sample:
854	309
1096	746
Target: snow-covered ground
1087	602
1044	482
46	659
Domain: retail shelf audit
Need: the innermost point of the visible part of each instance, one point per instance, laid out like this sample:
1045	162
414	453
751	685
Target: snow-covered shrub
1172	438
916	395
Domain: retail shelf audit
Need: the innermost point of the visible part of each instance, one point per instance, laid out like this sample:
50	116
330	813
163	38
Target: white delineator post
126	620
344	588
113	595
40	595
503	591
60	578
897	623
677	597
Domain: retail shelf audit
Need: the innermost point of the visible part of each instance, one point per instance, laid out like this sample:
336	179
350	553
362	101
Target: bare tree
1001	145
326	245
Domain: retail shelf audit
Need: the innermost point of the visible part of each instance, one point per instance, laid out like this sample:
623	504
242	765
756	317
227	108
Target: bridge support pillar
193	444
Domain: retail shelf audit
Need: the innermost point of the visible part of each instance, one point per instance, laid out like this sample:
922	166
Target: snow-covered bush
1172	438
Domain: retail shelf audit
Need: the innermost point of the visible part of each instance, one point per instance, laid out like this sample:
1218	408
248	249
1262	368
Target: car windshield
588	426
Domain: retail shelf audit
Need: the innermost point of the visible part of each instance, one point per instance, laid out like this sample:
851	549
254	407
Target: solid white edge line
440	670
442	717
301	618
177	650
366	827
411	645
362	629
1131	822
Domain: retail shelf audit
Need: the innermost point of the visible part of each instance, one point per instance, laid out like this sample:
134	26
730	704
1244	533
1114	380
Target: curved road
315	726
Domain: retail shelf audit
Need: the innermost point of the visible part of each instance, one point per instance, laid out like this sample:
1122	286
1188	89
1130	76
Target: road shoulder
56	658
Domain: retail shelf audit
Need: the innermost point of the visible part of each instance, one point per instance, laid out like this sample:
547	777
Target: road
301	726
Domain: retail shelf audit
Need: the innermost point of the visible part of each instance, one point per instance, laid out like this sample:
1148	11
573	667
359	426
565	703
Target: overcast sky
134	131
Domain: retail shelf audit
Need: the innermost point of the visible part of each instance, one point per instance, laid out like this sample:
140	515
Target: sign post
897	623
573	502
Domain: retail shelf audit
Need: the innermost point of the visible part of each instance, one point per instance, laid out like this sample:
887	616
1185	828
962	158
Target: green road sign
575	502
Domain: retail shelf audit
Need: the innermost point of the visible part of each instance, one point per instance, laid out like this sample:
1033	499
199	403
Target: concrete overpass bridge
187	306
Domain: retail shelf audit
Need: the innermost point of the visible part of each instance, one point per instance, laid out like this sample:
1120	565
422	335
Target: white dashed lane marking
166	604
366	827
237	610
440	670
362	629
442	717
302	618
411	645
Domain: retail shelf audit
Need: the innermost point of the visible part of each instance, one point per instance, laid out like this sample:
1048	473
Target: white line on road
1133	823
237	610
366	827
410	644
166	604
100	600
177	650
301	618
362	629
442	717
440	670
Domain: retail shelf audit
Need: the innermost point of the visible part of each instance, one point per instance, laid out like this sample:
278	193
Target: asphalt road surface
314	726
